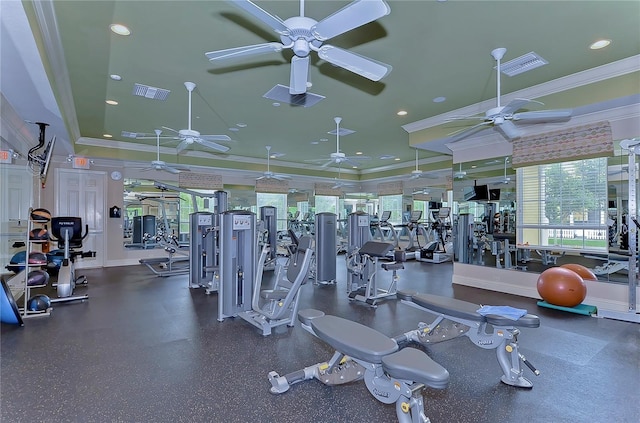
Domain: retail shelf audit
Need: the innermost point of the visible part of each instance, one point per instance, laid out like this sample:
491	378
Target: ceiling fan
269	174
158	164
502	118
189	136
461	174
339	157
424	191
302	34
506	179
417	173
339	183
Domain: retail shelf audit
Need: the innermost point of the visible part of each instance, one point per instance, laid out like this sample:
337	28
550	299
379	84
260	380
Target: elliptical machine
67	231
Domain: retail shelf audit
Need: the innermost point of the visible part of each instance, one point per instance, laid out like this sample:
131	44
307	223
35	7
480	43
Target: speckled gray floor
149	349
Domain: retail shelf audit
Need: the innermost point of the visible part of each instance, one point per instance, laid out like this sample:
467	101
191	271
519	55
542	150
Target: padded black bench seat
354	339
466	310
364	343
413	364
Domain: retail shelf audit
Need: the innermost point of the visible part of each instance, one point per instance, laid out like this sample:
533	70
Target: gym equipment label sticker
241	223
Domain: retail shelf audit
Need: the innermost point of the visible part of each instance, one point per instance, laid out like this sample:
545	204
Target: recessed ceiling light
120	29
112	102
397	159
324	139
315	142
439	99
241	125
233	129
115	77
402	113
354	167
276	104
107	135
359	153
599	44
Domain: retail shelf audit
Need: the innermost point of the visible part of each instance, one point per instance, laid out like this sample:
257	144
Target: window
563	205
326	204
392	203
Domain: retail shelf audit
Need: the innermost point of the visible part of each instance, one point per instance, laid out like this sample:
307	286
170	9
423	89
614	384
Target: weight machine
238	263
204	245
362	263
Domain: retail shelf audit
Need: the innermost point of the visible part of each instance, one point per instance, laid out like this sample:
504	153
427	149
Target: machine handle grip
529	365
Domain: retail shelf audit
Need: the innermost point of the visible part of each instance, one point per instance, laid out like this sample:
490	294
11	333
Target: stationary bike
67	231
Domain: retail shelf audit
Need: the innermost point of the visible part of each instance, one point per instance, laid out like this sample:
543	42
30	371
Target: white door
81	193
15	200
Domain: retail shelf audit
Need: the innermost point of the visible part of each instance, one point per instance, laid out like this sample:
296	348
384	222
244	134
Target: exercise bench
392	375
457	318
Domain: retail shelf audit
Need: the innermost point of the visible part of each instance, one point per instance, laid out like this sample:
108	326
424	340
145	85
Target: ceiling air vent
127	134
153	93
522	64
281	94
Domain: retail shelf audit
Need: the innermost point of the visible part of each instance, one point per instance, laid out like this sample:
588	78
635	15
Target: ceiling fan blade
215	137
508	129
363	66
327	164
238	52
184	144
299	75
515	105
353	15
212	145
169	129
559	115
460	135
256	11
170	169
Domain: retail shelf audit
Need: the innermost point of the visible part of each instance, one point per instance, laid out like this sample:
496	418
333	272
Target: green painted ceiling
435	48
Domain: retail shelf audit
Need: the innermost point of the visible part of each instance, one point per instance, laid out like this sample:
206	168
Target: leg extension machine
392	375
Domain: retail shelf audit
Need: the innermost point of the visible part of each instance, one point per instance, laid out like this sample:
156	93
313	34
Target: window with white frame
392	203
326	204
563	205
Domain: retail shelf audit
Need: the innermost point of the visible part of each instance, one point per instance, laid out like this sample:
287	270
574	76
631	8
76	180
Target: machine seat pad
526	321
449	306
353	339
392	266
308	314
414	365
273	294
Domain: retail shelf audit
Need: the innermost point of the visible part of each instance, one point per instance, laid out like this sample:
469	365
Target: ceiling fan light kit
303	34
